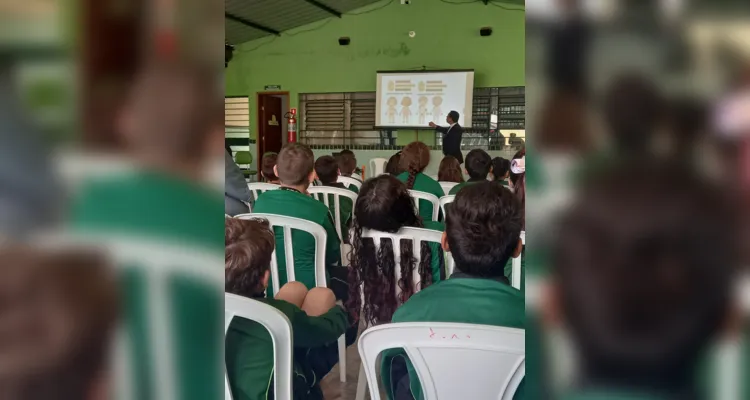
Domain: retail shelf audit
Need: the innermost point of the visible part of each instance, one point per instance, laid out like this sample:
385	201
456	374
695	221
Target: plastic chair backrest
515	278
287	224
416	235
445	200
278	327
321	193
243	157
453	361
347	181
417	195
377	166
447	186
256	188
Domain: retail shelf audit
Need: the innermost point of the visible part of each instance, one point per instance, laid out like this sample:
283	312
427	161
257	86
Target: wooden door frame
258	123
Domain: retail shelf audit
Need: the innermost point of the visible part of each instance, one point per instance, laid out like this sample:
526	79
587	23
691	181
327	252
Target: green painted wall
309	59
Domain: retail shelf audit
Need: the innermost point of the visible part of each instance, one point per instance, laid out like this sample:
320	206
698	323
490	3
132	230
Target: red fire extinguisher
292	125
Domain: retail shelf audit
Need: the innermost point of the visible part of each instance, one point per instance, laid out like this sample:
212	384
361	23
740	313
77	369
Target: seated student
676	232
392	168
317	322
328	171
266	168
483	228
500	170
384	205
348	165
294	168
414	159
478	165
450	170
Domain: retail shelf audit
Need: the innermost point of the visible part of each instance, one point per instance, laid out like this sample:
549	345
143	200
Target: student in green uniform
450	170
500	170
266	168
645	338
483	227
316	320
172	126
347	162
478	166
384	204
327	171
295	169
414	159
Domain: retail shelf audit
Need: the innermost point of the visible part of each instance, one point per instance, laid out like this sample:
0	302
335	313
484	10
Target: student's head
59	313
450	170
452	117
171	119
393	168
414	159
500	168
643	274
633	111
383	204
267	167
295	165
249	247
327	169
347	162
482	229
478	164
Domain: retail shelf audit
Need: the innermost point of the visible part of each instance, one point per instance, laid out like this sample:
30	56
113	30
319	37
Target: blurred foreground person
642	280
57	319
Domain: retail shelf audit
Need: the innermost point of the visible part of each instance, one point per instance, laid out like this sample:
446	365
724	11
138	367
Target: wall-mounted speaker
486	31
344	41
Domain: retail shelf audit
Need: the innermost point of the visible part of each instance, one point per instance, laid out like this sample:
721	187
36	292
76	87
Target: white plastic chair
321	193
319	234
445	200
417	195
515	278
256	188
377	166
347	181
278	327
453	361
447	186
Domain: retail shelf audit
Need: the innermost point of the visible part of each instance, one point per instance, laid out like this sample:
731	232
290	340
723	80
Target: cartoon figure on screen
405	110
437	112
391	111
422	109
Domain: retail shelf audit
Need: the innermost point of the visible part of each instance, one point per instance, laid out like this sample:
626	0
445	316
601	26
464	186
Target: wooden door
270	134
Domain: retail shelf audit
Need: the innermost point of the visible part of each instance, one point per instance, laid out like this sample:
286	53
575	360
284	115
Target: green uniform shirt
249	349
458	187
436	251
424	183
291	203
458	299
149	204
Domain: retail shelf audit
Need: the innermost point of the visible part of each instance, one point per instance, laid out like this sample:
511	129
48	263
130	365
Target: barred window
237	123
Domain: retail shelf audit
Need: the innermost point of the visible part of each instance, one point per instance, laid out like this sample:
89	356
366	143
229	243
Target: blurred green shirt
424	183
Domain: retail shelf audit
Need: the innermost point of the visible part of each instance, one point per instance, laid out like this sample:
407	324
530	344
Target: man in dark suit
451	136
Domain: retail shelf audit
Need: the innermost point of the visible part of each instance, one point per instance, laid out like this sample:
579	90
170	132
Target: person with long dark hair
500	170
414	159
450	170
385	205
393	167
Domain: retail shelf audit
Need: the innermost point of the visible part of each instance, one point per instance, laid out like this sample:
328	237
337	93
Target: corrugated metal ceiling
278	15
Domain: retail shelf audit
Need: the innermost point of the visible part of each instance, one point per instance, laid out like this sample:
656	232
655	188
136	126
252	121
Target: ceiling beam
251	24
324	8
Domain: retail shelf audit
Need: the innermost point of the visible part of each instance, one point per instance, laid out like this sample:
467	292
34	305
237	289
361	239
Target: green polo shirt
424	183
436	250
458	187
249	348
291	203
461	299
161	207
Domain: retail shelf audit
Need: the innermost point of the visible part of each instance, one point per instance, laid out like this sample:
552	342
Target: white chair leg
342	358
361	383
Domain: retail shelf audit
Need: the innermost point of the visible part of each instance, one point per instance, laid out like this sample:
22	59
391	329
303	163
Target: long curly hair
414	159
384	205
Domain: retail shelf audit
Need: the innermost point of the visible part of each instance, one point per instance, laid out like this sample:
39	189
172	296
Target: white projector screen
412	99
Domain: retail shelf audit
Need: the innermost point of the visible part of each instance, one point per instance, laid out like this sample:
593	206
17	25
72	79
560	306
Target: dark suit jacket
235	188
452	141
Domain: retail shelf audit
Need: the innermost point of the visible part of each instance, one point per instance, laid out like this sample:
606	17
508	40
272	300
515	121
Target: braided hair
414	159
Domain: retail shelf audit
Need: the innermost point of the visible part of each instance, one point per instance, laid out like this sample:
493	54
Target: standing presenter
451	136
